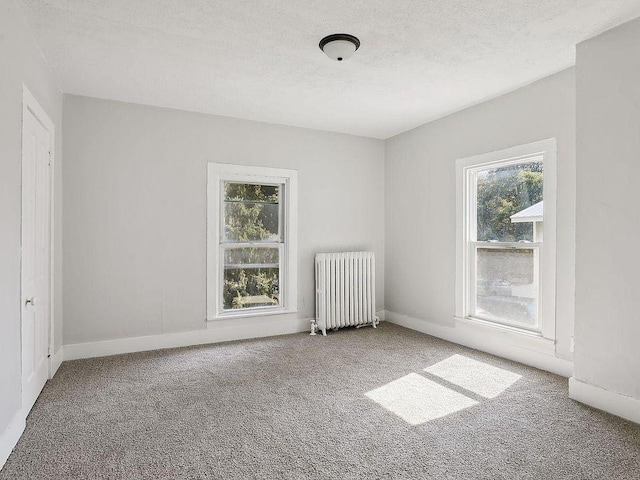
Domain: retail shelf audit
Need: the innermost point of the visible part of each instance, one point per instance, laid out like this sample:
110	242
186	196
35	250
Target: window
506	266
251	246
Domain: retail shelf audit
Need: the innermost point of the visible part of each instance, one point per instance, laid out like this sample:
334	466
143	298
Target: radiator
345	291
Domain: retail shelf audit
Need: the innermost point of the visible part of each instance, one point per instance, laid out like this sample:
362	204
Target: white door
36	257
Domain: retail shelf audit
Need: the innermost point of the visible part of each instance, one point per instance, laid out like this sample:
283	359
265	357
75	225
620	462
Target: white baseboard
536	352
216	331
611	402
56	361
10	436
13	432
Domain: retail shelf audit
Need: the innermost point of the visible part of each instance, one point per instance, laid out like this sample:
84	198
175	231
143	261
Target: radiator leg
314	327
376	321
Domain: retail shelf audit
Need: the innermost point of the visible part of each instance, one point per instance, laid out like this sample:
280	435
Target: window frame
217	175
466	232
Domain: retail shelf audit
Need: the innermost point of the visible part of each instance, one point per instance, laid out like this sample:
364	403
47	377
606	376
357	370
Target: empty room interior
319	240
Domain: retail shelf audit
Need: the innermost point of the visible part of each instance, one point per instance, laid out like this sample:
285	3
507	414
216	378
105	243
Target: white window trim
548	149
217	173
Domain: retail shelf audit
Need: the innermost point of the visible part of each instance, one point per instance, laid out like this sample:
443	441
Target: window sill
256	313
511	335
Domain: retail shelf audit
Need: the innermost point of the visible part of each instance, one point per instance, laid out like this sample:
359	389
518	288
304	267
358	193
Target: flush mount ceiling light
339	46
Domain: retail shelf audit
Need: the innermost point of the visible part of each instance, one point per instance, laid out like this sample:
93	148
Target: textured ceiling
259	59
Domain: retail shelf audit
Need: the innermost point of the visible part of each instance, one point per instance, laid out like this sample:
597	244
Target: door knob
30	301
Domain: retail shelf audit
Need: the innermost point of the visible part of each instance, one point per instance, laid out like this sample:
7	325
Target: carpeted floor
296	407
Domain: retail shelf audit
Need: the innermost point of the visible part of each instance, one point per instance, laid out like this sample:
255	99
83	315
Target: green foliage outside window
503	192
251	274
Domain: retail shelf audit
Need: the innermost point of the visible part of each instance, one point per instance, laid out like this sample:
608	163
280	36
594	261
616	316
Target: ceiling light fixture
339	46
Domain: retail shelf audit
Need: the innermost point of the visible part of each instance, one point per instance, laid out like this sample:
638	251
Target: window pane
251	192
251	222
251	278
251	256
506	191
507	285
251	213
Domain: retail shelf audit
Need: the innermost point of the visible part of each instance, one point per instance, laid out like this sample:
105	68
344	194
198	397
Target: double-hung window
251	247
506	238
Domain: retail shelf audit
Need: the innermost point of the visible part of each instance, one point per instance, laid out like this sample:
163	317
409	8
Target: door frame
30	106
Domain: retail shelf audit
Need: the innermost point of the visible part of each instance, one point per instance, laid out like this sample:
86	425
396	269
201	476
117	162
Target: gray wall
608	217
135	210
20	62
421	196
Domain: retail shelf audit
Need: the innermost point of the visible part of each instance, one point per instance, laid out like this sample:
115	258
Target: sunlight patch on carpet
417	400
478	377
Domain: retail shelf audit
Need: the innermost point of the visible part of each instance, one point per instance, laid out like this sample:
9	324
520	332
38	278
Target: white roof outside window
534	213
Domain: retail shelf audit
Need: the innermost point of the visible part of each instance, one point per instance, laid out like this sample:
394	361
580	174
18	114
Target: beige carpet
357	404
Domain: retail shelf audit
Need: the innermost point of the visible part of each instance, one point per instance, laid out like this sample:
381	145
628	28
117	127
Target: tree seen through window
252	268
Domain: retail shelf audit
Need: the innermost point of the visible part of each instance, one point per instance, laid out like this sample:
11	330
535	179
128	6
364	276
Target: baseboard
10	436
611	402
495	343
220	331
14	430
56	361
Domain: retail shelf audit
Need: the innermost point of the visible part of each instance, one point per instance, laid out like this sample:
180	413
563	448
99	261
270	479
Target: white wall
20	62
135	210
421	196
608	215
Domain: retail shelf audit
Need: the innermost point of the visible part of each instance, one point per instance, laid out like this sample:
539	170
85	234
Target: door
36	257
